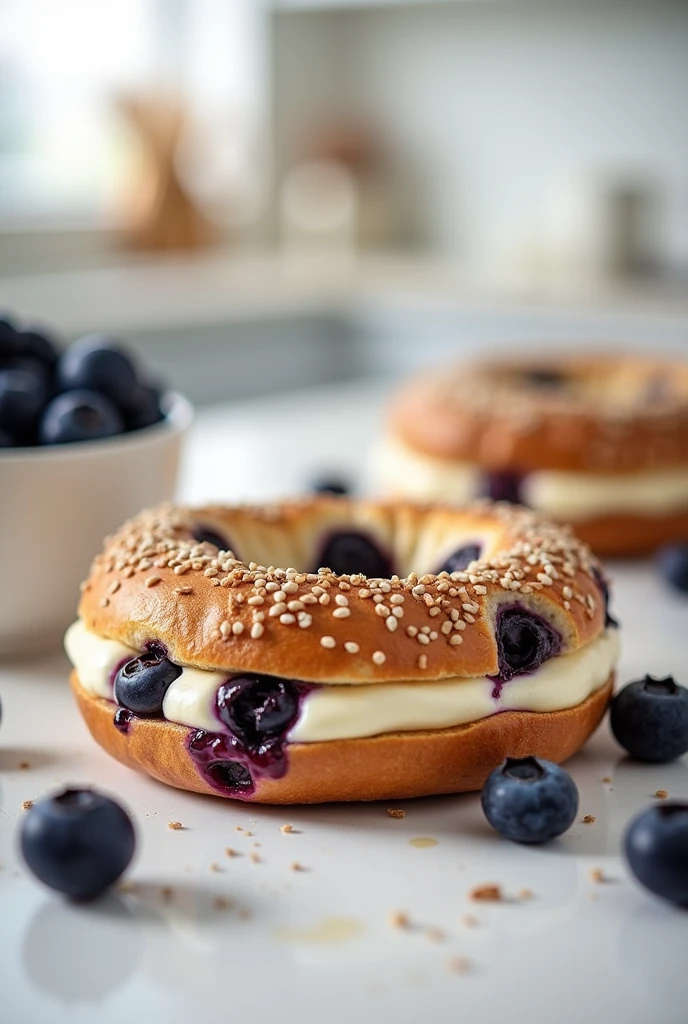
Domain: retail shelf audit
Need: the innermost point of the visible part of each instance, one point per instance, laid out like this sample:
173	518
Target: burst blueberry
258	709
529	800
141	684
524	641
460	558
330	485
78	842
79	416
206	535
673	565
656	847
649	718
347	554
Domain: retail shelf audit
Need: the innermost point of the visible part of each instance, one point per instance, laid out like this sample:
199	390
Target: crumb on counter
244	914
459	965
26	805
526	894
221	903
24	765
231	853
589	819
435	934
399	919
489	893
256	844
254	857
396	812
597	875
175	825
606	779
215	866
247	833
286	828
296	866
661	794
470	920
167	892
125	885
238	828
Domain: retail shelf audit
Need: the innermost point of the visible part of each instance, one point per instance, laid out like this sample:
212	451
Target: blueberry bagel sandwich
434	643
600	442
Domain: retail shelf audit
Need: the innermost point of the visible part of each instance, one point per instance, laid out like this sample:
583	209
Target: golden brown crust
617	535
392	766
212	611
618	414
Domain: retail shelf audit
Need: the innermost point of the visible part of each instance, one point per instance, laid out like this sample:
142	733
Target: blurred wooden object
158	210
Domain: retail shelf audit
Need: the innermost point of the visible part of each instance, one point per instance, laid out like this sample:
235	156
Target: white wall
497	107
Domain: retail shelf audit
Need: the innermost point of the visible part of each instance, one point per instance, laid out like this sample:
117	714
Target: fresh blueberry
460	558
78	842
529	800
673	565
330	485
145	409
347	554
98	364
504	485
9	345
6	439
524	641
38	346
656	847
204	535
79	416
258	709
22	395
141	684
649	718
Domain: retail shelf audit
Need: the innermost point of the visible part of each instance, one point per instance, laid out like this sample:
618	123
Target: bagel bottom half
391	766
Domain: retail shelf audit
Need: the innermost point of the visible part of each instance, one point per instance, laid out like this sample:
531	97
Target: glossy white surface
316	945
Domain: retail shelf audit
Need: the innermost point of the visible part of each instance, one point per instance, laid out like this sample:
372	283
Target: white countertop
317	945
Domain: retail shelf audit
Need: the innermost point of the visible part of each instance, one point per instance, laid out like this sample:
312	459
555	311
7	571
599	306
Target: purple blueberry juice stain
600	580
348	553
524	641
122	718
204	535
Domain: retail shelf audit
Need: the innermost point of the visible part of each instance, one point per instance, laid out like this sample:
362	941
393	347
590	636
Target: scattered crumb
244	914
256	844
661	794
167	892
589	819
254	857
126	886
489	893
247	833
231	853
396	812
606	779
286	828
215	866
24	764
399	919
27	805
597	875
435	934
221	903
295	866
459	965
470	920
526	894
238	828
175	825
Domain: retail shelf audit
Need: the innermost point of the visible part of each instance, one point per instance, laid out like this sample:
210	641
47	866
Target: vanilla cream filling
564	495
347	712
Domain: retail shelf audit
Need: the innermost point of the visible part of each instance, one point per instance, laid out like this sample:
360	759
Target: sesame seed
225	629
305	620
446	628
341	600
289	587
382	610
411	630
295	606
364	592
422	638
237	628
396	599
432	612
341	613
418	590
391	623
480	589
398	612
104	602
256	599
324	599
257	630
277	609
377	598
153	581
422	661
455	640
328	641
351	647
379	657
287	619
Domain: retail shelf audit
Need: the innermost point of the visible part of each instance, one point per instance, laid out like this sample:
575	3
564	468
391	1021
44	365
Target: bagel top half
592	413
261	606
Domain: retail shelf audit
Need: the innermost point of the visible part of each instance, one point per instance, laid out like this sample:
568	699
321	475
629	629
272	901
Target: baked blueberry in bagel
437	642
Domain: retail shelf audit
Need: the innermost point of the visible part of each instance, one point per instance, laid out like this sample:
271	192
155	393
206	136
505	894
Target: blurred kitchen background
264	196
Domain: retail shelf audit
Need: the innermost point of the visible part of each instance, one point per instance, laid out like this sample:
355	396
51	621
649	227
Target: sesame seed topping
237	628
287	619
396	599
455	640
277	609
351	647
379	657
382	610
257	630
153	581
341	613
328	641
305	620
422	661
342	600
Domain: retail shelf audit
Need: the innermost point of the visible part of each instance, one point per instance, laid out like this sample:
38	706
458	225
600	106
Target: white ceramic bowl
56	506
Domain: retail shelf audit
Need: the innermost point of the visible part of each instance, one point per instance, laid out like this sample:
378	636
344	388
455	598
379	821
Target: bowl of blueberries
87	439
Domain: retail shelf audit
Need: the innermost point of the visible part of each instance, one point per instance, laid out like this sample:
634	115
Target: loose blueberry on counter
78	842
524	641
504	485
649	718
460	558
6	439
204	535
330	485
9	346
144	409
673	565
98	364
347	554
141	684
529	800
258	709
656	847
79	416
22	395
